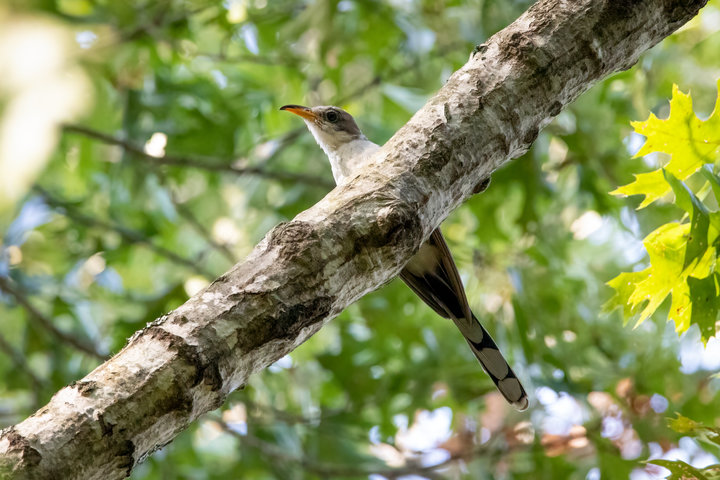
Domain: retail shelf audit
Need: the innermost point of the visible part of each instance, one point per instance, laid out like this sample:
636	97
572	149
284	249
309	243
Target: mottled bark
358	237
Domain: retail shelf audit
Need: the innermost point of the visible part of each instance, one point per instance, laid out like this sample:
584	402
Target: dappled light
143	155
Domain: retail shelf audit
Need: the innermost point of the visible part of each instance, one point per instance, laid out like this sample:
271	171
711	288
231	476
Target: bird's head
331	126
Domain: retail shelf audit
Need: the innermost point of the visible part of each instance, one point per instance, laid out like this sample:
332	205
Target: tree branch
19	360
358	237
199	163
337	471
190	217
129	235
46	324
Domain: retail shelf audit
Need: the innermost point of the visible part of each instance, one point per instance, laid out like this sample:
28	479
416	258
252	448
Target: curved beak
304	112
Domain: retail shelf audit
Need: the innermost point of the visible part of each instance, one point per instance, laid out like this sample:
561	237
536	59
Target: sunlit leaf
624	285
652	185
689	141
682	255
645	291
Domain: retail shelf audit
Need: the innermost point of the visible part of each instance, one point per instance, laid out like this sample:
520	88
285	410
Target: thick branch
358	237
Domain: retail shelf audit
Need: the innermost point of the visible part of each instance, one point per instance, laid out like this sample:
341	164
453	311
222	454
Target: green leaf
682	255
688	426
689	141
652	185
667	274
713	180
684	198
624	286
705	304
680	470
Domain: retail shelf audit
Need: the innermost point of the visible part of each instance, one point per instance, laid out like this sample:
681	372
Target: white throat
346	155
349	158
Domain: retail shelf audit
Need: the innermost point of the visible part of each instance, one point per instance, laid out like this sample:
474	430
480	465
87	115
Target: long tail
493	362
433	276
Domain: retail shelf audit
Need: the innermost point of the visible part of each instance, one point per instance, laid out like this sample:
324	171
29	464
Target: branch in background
19	361
199	163
322	424
274	452
190	217
285	140
248	58
187	214
132	236
409	67
161	20
47	324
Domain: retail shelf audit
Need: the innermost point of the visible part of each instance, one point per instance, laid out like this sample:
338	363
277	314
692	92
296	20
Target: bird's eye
332	116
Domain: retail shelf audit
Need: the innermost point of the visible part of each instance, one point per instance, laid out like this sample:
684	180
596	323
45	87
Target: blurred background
142	154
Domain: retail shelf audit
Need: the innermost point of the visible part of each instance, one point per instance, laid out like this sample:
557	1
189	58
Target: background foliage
142	153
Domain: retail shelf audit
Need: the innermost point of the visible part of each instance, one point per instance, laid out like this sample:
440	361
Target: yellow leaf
689	141
665	276
652	185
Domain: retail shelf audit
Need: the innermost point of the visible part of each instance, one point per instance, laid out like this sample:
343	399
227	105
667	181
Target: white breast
346	155
350	157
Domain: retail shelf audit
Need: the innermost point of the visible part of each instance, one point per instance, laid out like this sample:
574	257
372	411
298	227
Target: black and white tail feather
432	275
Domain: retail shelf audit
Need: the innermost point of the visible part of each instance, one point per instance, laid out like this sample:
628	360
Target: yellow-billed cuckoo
431	273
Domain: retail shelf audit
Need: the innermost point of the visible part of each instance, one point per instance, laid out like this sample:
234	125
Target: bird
431	273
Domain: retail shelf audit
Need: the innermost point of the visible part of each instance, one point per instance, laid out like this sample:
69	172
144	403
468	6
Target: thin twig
47	324
200	163
158	22
19	360
245	58
132	236
334	471
190	217
187	214
411	66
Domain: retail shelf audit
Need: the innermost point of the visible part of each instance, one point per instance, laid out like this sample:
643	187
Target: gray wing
433	276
